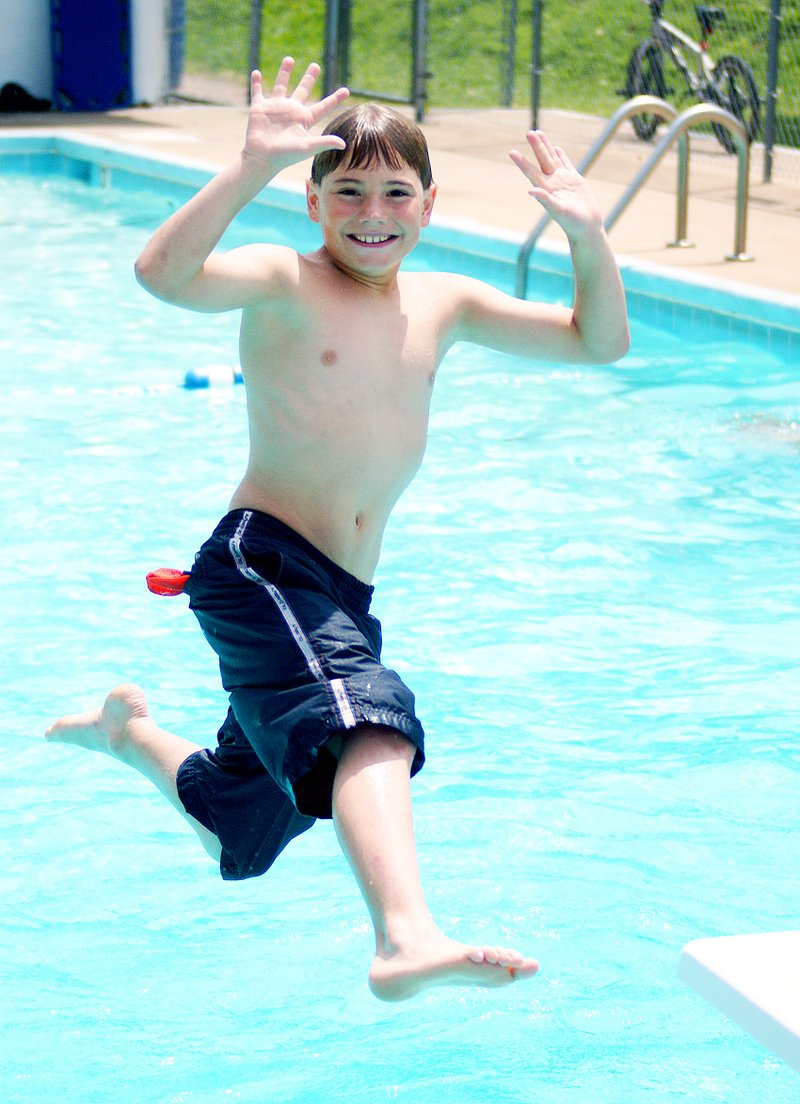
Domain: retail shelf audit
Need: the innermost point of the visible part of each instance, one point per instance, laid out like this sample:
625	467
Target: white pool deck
753	979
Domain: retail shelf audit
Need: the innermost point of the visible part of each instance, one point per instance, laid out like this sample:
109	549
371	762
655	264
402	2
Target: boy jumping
339	352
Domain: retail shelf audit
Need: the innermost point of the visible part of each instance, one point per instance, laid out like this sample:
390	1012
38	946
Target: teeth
372	239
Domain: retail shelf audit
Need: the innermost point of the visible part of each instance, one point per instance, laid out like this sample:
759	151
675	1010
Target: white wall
149	47
25	54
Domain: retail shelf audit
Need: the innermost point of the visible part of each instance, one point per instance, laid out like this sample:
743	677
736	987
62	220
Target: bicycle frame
674	41
729	82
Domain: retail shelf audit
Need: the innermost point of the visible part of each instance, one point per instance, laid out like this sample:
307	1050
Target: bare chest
348	354
395	334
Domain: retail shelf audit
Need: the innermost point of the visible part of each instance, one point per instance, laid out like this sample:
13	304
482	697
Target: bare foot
111	728
438	960
123	728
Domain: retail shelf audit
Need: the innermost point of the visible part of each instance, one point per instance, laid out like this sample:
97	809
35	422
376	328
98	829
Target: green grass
585	45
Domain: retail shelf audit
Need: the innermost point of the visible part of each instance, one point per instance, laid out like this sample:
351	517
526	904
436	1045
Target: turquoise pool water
592	588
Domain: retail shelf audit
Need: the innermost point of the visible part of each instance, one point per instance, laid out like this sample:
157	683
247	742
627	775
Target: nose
372	209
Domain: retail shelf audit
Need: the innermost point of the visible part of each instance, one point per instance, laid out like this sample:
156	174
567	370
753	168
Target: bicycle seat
707	17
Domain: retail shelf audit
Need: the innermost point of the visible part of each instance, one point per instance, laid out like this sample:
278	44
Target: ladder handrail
678	131
700	113
637	106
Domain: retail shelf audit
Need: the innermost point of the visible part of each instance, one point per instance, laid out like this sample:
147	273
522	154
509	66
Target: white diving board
755	981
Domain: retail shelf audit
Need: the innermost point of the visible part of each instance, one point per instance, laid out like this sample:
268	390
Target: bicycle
728	83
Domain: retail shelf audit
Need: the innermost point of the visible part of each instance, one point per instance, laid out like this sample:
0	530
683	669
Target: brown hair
375	135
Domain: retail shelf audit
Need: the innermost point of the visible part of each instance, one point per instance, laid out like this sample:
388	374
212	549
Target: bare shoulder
444	283
461	292
460	299
234	279
263	264
448	290
473	310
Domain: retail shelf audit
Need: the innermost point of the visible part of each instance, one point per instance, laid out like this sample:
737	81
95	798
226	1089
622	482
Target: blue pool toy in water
212	375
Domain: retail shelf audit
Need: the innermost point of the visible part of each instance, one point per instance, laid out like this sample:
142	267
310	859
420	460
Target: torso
339	379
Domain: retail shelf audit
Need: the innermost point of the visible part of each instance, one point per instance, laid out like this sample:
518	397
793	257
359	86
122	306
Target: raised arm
595	329
178	263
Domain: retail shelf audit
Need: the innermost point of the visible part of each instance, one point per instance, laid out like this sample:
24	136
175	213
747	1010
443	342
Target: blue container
92	64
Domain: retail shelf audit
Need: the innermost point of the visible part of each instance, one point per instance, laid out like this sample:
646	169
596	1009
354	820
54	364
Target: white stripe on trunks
337	686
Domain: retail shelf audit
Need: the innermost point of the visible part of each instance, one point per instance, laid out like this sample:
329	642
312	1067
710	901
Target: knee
375	743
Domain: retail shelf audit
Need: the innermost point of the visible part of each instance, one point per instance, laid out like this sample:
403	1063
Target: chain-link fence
480	53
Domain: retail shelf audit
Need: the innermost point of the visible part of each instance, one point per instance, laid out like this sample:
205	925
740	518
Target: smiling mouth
372	239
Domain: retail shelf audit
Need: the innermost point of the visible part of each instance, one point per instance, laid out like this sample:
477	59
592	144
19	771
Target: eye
399	193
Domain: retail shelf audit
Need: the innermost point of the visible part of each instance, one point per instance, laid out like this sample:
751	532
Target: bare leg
372	814
124	729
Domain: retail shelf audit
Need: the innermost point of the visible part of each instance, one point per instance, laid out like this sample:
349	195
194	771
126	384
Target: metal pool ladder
678	131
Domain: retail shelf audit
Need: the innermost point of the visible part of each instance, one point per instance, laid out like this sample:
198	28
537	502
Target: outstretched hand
558	185
279	124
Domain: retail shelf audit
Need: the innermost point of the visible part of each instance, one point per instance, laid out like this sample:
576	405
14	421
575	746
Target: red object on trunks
167	580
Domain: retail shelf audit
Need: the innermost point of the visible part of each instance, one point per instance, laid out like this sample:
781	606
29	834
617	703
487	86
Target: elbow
607	349
151	277
624	343
619	347
144	274
610	354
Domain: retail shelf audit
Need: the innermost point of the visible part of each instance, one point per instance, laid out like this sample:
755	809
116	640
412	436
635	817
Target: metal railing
677	132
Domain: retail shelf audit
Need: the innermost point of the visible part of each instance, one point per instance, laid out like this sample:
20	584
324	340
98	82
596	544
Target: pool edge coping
747	303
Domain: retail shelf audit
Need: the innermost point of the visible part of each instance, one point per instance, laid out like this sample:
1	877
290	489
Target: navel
329	357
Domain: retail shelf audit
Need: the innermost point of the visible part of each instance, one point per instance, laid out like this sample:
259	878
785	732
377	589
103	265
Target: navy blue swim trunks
299	655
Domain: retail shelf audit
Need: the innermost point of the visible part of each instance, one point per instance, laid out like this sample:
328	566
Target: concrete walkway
478	183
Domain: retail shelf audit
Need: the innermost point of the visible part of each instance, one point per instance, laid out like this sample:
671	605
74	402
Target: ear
428	200
312	200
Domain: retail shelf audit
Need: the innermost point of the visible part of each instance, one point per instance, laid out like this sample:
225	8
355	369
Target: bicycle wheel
734	88
646	78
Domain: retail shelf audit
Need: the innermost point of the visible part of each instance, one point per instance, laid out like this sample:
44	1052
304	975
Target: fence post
772	85
510	17
419	91
330	67
536	59
336	55
254	45
345	40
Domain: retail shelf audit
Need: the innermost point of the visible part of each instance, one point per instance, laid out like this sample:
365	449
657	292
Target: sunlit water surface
592	589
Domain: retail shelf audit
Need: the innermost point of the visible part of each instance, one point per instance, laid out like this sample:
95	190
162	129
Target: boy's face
370	217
